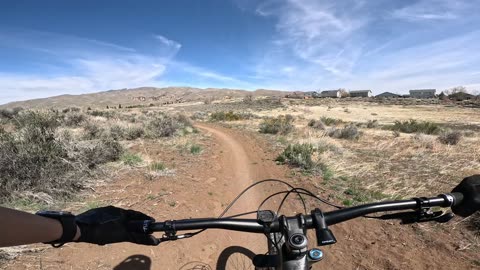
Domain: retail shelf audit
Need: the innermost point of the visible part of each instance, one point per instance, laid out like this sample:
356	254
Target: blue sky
54	47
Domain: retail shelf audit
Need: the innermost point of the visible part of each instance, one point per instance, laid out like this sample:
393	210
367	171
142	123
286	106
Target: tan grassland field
166	151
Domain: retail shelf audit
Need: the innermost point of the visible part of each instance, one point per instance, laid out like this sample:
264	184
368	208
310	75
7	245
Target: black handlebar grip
140	226
470	188
457	198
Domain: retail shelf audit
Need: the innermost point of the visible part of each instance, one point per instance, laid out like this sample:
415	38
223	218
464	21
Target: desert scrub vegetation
195	149
36	157
330	121
414	126
305	156
280	125
164	125
297	155
450	137
229	116
73	118
349	132
10	114
316	124
157	166
131	159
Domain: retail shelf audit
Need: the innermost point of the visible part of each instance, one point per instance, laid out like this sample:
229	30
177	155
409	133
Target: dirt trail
204	185
232	163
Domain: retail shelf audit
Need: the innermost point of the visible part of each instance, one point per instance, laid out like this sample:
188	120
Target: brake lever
418	217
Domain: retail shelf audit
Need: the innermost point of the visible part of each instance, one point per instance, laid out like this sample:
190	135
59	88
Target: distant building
331	93
316	94
361	93
387	95
422	93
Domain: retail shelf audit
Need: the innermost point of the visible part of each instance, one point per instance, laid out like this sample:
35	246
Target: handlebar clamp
170	231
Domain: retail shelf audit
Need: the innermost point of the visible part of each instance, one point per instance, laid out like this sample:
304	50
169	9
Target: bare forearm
20	228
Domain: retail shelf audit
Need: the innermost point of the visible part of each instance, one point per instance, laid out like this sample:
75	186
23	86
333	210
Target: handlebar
331	218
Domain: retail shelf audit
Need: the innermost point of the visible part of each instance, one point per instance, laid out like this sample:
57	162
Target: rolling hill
141	96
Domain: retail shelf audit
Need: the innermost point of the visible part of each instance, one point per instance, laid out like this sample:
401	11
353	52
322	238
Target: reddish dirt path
232	163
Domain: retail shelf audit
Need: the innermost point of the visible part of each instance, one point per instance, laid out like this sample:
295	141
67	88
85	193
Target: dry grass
401	165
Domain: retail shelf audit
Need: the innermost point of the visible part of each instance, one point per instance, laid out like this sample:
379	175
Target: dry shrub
133	133
349	132
199	116
35	158
330	121
280	125
117	132
372	124
229	116
10	114
249	99
105	114
71	109
298	155
316	124
450	137
74	119
93	130
424	141
474	223
164	125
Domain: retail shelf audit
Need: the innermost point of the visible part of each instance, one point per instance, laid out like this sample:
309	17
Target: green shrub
106	114
157	166
280	125
450	137
298	155
131	159
229	116
71	109
166	125
349	132
41	121
414	126
195	149
133	133
92	130
330	121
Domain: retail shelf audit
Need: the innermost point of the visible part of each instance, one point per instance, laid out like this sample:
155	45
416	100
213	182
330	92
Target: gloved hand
109	224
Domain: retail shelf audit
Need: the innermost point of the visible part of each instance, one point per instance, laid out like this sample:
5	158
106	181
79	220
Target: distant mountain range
141	96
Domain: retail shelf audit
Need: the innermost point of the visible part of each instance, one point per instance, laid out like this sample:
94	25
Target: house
388	95
422	93
331	93
316	94
361	93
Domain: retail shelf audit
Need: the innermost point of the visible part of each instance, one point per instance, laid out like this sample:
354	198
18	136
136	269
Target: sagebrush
280	125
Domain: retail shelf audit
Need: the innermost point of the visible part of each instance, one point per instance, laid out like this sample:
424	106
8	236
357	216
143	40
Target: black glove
109	224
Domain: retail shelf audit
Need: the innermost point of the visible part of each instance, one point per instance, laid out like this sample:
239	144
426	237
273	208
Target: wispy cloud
168	42
317	32
432	10
336	44
89	65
